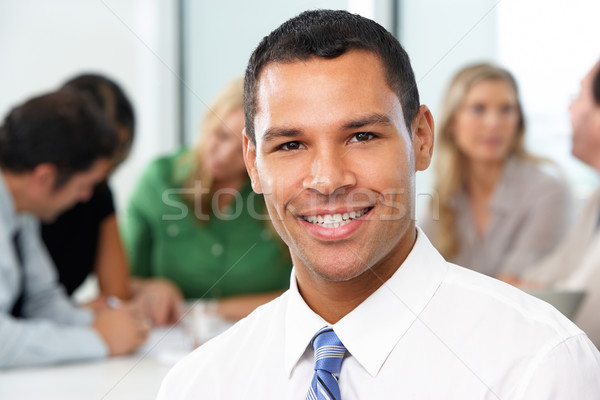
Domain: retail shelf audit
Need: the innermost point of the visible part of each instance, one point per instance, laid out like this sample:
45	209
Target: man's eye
291	146
362	137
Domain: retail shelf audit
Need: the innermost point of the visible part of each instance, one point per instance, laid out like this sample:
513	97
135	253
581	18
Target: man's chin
339	271
49	218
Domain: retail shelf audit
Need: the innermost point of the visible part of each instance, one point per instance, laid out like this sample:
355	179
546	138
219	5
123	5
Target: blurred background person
82	240
53	150
500	208
195	220
85	239
575	263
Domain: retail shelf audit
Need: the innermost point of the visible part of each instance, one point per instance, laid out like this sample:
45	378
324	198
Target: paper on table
203	323
168	345
199	324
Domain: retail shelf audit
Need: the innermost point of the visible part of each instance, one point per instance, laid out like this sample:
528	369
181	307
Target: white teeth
332	219
335	220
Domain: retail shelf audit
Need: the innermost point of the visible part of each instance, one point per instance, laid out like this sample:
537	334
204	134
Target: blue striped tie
329	353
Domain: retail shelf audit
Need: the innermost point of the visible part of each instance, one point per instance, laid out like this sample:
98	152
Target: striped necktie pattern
17	309
329	354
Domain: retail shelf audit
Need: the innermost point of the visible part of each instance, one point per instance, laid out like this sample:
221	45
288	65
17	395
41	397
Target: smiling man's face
336	163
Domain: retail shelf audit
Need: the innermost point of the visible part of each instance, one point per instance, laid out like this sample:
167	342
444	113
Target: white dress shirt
52	329
432	331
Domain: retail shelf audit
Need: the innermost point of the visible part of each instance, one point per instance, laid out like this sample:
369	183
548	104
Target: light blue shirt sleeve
53	329
26	342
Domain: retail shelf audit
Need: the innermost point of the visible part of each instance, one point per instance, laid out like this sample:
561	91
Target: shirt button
216	249
172	230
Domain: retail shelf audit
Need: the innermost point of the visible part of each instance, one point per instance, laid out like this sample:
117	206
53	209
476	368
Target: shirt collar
371	330
8	213
301	324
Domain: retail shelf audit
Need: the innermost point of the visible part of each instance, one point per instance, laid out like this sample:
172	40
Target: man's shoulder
241	343
512	341
492	303
254	327
477	301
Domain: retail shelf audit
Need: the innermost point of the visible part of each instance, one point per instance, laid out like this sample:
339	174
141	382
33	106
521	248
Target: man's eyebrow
372	119
275	133
360	122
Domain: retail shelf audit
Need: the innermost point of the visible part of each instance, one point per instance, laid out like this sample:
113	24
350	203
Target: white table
128	378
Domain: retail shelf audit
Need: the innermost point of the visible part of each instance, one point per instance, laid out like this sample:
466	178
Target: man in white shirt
53	150
334	135
575	264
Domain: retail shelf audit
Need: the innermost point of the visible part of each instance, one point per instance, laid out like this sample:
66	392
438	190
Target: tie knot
329	351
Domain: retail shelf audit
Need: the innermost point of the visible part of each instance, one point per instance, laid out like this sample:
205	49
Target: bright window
550	46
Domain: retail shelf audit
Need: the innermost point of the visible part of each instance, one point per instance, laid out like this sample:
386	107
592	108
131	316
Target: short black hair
61	128
106	94
596	86
329	34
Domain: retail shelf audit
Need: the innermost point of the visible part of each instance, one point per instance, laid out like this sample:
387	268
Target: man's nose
329	171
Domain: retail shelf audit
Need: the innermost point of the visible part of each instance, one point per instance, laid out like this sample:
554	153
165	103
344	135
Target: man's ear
43	178
423	129
250	161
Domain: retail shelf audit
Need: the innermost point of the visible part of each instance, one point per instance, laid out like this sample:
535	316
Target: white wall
440	37
549	63
220	37
43	43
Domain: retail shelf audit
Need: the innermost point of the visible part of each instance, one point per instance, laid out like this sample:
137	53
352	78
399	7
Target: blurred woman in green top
195	220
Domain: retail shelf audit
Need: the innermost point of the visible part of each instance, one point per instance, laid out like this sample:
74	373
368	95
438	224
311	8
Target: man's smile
335	220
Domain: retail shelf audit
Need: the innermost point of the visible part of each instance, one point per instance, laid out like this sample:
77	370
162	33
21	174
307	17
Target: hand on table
96	305
159	300
121	330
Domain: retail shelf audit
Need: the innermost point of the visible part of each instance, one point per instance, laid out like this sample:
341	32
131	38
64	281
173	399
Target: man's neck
334	300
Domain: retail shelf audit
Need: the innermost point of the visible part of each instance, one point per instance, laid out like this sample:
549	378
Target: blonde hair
451	163
197	178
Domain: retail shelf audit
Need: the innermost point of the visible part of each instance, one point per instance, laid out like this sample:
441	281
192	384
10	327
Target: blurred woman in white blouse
496	208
